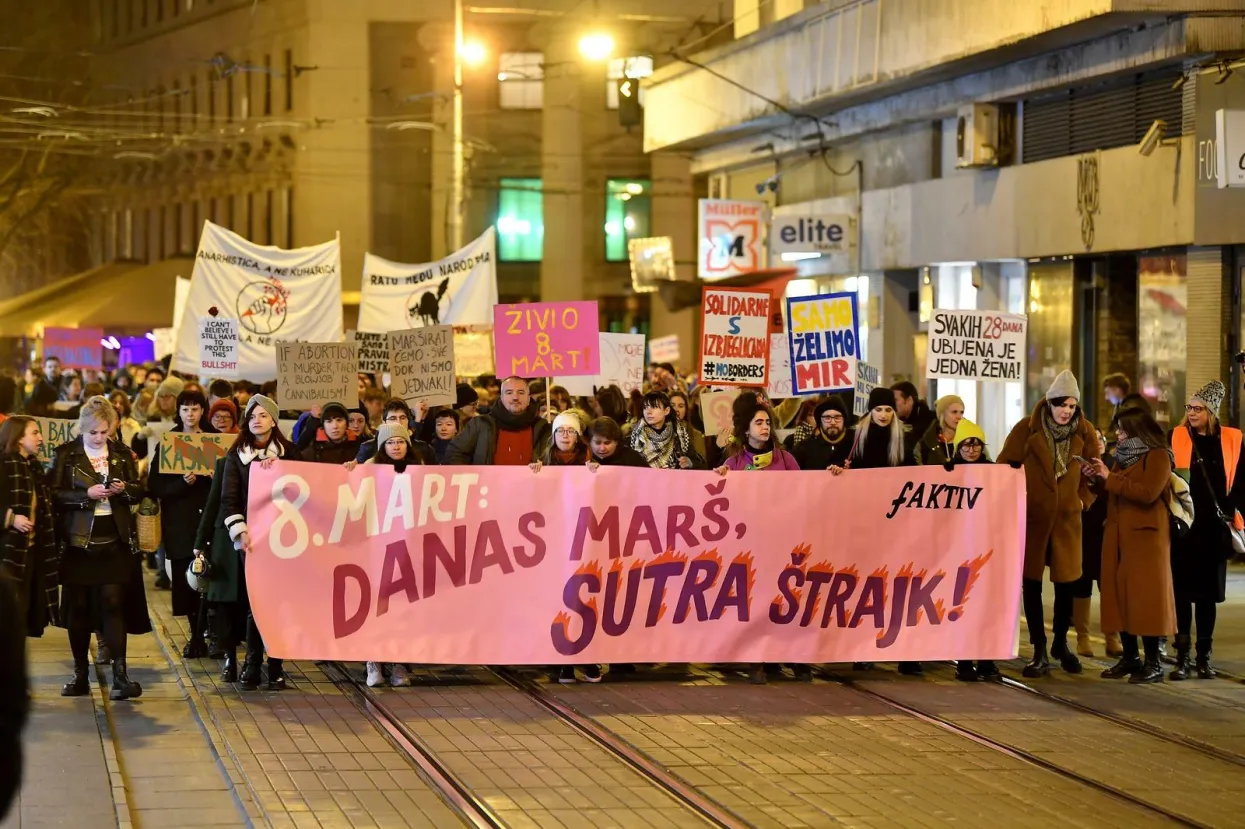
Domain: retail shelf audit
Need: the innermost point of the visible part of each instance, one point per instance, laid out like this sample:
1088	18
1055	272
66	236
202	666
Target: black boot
122	686
1039	665
1184	665
1067	659
195	648
1204	668
252	671
230	674
1129	663
1151	669
276	675
986	669
911	669
80	684
804	673
757	675
965	671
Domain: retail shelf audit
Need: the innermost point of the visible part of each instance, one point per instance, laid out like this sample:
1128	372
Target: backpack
1179	501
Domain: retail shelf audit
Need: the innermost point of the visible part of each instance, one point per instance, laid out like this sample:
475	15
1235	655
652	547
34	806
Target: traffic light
630	113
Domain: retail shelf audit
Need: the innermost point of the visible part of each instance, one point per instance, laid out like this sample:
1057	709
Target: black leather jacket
73	475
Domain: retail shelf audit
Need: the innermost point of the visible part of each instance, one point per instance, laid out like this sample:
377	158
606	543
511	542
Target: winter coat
819	453
476	444
623	455
1054	507
1200	557
917	424
782	461
14	697
1136	582
367	451
213	539
875	452
28	561
322	450
931	449
73	475
181	504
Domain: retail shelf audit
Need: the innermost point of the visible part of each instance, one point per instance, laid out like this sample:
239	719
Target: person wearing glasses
1208	456
828	447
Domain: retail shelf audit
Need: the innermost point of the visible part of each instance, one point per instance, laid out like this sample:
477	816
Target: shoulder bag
1237	536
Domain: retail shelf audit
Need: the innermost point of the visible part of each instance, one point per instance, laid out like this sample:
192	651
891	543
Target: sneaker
397	676
592	673
566	676
374	677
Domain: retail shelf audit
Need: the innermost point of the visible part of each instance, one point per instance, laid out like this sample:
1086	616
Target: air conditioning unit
977	136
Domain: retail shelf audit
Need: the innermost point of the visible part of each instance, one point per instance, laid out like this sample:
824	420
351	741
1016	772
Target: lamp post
457	164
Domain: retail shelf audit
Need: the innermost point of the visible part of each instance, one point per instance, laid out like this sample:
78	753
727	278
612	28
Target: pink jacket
782	461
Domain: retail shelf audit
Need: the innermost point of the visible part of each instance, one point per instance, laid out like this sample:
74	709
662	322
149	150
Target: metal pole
458	165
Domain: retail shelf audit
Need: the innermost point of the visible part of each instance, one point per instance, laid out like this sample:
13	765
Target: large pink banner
497	565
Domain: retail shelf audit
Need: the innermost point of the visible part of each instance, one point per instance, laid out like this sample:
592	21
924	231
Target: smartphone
1079	458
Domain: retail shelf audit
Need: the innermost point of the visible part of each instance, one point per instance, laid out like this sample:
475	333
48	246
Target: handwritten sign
421	365
622	365
373	351
664	349
715	410
866	381
55	431
824	343
311	374
473	351
544	339
218	347
734	345
185	453
74	347
779	367
976	345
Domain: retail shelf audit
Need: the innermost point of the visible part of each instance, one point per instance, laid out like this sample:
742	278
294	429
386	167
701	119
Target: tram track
471	806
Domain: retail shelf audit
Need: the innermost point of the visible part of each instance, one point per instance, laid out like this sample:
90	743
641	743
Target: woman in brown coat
1047	444
1136	583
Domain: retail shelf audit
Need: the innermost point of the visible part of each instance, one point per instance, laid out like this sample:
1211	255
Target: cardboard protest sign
373	351
824	343
622	365
421	365
664	349
734	345
311	374
779	367
976	345
543	339
74	347
55	431
473	351
866	382
715	410
185	453
218	347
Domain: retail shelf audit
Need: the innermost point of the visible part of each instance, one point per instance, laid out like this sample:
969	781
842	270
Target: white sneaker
397	676
374	677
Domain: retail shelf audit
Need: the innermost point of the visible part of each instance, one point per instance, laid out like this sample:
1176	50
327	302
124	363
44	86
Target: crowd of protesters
70	551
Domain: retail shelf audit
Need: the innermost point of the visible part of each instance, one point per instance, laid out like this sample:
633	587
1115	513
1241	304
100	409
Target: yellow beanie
967	429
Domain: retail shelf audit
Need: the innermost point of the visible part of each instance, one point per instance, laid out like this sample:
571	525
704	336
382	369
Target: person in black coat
830	446
331	440
259	441
914	413
14	697
95	483
182	497
606	447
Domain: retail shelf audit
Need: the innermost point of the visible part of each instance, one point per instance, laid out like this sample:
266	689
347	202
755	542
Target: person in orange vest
1208	456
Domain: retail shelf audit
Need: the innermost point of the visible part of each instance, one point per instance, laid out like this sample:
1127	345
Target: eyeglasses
565	432
832	417
1191	409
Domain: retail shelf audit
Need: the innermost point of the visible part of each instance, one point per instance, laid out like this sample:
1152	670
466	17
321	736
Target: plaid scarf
662	449
1058	439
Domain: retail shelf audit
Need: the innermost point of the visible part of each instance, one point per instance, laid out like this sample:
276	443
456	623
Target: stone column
674	215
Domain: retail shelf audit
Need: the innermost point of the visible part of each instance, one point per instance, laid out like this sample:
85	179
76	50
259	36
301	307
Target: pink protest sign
542	339
74	347
500	565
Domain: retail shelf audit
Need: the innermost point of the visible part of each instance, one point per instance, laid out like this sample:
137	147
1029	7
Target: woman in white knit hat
567	447
1046	445
1208	455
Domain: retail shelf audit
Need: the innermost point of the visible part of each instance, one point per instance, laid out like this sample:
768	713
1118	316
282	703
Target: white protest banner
275	294
460	289
373	351
779	367
622	365
421	365
218	347
866	381
734	345
729	237
824	343
312	374
164	341
473	351
664	349
976	345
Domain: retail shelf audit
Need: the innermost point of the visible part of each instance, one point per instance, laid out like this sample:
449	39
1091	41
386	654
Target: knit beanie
1065	385
465	396
171	385
946	402
881	396
1212	395
267	403
967	429
389	431
334	409
224	405
833	403
568	420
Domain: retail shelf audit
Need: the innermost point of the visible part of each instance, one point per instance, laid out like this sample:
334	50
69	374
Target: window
637	66
628	215
268	84
289	81
520	220
521	80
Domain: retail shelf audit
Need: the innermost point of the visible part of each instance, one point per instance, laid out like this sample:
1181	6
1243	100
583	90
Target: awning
120	297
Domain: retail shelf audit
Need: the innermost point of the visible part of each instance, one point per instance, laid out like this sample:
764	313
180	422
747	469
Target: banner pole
548	395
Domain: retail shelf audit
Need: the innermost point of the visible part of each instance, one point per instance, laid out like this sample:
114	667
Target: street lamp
473	52
596	46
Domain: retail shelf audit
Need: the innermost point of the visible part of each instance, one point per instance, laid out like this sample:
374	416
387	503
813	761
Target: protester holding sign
970	448
511	434
28	552
1047	445
259	441
95	482
182	497
663	441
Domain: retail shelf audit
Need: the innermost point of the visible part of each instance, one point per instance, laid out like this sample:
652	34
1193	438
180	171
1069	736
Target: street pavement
850	749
